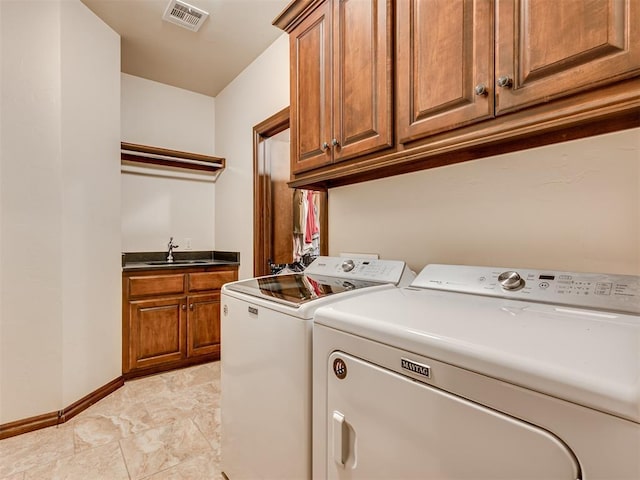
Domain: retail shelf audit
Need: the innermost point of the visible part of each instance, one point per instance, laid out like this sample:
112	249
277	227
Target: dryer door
383	425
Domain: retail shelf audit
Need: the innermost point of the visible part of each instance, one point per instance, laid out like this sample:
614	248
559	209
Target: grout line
124	460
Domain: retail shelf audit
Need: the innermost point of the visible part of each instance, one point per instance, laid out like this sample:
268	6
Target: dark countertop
189	259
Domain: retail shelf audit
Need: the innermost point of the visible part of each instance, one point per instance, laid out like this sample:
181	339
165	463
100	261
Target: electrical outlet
187	244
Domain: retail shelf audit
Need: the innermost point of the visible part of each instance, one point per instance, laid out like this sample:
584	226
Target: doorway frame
262	208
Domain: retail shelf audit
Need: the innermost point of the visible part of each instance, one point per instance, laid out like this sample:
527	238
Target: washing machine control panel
374	270
588	290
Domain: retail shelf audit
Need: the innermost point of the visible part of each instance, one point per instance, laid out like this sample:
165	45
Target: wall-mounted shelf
163	159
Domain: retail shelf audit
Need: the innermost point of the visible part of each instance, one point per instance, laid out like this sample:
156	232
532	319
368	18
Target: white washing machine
266	361
480	373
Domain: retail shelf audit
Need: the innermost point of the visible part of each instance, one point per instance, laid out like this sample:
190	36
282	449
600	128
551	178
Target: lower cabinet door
158	332
203	329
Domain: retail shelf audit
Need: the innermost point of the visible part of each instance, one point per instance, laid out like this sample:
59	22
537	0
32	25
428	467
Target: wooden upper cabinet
341	82
549	49
403	85
447	76
444	52
363	77
310	53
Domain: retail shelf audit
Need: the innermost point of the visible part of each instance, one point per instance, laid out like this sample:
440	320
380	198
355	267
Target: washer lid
325	276
296	289
587	357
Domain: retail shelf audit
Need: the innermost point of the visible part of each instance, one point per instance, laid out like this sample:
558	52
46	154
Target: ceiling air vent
185	15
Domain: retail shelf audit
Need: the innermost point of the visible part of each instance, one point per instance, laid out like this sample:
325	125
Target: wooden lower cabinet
203	325
157	331
171	320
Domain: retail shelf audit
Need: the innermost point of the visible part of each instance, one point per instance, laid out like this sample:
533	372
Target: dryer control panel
372	270
587	290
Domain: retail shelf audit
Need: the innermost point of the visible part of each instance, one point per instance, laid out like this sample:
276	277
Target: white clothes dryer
480	373
266	361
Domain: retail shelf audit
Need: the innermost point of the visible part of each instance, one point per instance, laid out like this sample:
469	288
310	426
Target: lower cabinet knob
505	81
481	90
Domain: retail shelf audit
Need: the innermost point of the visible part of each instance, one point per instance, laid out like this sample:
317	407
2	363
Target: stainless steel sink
178	262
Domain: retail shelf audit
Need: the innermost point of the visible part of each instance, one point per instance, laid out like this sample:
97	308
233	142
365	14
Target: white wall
155	208
91	273
572	206
164	116
260	91
30	261
1	199
60	302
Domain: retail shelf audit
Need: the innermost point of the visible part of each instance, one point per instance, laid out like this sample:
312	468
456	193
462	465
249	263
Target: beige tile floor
161	427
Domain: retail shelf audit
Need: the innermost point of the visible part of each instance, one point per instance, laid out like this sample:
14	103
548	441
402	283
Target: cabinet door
200	281
362	75
157	331
163	284
203	324
310	45
445	50
550	49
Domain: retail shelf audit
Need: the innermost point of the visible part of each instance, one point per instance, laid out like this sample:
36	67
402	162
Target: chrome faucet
171	246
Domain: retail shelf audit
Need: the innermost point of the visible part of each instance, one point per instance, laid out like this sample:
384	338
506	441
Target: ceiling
235	34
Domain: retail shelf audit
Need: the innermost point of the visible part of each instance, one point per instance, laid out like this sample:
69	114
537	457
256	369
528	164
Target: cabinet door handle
184	307
191	306
325	146
505	81
335	142
481	90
